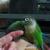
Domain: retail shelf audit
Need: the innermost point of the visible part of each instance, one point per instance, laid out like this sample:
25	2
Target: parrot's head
28	21
30	24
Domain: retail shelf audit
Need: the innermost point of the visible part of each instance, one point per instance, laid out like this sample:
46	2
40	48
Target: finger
1	49
8	38
46	46
49	49
16	33
13	46
6	46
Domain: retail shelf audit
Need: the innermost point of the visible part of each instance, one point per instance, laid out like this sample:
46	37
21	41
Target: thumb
8	38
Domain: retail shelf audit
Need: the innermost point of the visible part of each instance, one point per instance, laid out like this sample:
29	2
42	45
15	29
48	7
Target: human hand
6	42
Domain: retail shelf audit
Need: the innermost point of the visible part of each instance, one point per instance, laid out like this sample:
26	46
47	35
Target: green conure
33	32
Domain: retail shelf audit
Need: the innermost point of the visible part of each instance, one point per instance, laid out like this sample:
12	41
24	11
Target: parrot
32	31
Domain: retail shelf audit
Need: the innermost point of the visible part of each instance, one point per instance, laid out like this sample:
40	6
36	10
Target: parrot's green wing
38	36
16	26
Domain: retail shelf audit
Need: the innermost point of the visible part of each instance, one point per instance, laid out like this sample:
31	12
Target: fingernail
20	32
17	33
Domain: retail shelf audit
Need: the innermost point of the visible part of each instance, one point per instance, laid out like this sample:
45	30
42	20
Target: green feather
17	25
33	32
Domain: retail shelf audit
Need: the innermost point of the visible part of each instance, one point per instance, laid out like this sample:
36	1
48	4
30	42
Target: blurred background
25	6
4	6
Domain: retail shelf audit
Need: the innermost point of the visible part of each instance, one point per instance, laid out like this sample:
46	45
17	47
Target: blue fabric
46	37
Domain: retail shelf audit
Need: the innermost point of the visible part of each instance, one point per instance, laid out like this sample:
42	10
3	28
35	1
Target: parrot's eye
26	19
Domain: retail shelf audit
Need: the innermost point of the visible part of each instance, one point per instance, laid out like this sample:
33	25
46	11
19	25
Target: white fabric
4	1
